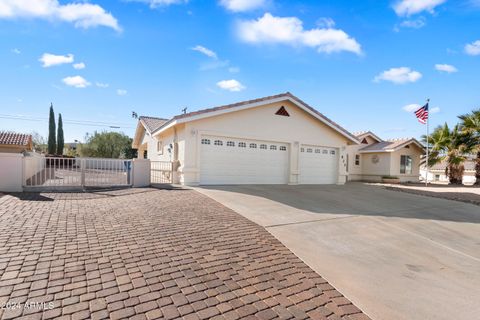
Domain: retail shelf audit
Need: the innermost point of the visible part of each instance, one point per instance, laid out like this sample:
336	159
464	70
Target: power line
74	122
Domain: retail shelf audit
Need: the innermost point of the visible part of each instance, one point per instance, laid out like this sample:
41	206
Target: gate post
82	172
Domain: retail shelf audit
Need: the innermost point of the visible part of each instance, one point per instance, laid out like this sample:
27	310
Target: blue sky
358	62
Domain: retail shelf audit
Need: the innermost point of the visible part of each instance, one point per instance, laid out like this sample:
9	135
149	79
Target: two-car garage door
241	161
238	161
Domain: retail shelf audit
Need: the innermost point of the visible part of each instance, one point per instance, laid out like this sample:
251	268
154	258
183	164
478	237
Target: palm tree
452	147
471	125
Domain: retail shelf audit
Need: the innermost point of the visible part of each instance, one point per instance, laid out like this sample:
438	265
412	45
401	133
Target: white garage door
318	165
237	161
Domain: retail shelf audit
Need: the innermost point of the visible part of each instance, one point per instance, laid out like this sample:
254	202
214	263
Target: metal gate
161	172
44	173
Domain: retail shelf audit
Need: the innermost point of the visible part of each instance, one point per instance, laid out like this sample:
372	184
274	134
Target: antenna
184	110
134	115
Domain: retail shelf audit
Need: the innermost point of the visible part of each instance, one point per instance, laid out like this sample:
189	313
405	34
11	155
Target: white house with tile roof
437	172
374	158
273	140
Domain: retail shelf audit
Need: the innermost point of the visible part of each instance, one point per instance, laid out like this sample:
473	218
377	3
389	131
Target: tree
39	142
60	140
470	124
106	145
451	147
51	132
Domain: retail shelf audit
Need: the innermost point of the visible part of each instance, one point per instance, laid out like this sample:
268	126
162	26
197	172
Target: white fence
34	172
56	172
161	172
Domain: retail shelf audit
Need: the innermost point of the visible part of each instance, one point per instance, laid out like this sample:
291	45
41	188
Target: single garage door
318	165
240	161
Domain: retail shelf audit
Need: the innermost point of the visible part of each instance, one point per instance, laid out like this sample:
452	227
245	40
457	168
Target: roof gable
211	112
365	134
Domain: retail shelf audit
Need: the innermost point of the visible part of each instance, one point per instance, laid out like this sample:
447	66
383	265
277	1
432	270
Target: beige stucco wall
374	171
261	123
415	152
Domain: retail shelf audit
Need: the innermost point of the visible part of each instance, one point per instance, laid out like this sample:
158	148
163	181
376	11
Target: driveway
395	255
150	254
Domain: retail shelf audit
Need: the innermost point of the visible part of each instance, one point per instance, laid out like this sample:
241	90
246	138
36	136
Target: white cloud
234	69
473	48
102	85
399	75
49	60
290	31
411	107
76	81
79	66
413	24
446	68
16	51
435	110
242	5
82	15
411	7
414	107
121	92
325	23
160	3
205	51
230	85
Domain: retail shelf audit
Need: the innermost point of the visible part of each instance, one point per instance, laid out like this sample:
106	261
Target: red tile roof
13	138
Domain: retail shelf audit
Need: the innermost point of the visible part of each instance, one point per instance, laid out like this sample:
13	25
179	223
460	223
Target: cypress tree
60	140
51	132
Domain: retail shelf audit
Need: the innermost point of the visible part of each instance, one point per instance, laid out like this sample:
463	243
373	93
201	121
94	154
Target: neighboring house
11	142
273	140
374	158
437	172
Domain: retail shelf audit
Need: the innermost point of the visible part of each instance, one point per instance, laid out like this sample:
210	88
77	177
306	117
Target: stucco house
437	172
374	158
278	139
12	142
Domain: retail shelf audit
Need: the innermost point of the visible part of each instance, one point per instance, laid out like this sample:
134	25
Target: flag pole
428	144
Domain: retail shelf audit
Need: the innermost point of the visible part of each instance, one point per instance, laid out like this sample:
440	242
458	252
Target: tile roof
277	96
468	164
152	123
385	146
13	138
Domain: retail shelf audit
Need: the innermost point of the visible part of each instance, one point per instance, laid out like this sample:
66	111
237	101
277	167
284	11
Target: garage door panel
242	161
318	165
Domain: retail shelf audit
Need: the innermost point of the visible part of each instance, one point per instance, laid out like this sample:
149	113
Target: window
145	154
405	164
332	152
364	141
230	144
357	159
283	148
160	147
242	145
218	143
309	150
302	149
272	147
263	146
253	145
324	151
317	150
205	141
437	177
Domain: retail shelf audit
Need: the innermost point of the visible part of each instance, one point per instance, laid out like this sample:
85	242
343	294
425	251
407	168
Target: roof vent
282	112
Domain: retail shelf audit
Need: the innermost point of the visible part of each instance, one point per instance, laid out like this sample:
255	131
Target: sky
366	64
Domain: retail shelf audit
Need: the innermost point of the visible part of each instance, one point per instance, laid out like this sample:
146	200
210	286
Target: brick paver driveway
150	254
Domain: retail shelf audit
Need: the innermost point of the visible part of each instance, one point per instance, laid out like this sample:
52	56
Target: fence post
82	172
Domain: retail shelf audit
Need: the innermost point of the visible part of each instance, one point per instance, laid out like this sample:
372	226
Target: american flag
422	114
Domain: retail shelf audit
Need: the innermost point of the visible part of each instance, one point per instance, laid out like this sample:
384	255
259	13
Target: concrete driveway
394	255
